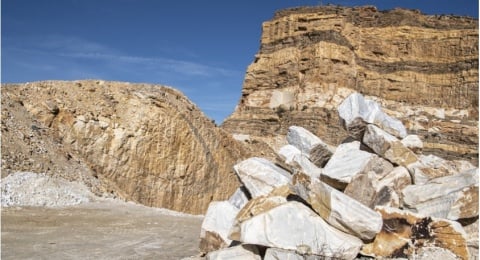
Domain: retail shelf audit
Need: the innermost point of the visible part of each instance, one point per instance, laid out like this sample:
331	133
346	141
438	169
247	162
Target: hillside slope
144	143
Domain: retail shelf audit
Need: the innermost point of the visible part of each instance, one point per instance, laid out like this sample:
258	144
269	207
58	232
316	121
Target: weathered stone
428	253
306	166
356	128
255	207
386	196
363	188
429	167
453	197
320	154
403	233
259	205
299	161
218	221
347	161
239	198
260	176
390	187
461	165
240	252
388	146
293	226
356	106
343	212
303	139
282	254
288	152
472	237
414	143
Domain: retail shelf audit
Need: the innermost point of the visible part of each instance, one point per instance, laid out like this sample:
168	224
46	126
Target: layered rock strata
145	143
422	69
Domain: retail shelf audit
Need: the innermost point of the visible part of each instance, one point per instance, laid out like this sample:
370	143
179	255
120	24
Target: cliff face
144	143
422	69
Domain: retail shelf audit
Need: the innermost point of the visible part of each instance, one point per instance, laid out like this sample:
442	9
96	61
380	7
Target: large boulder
404	233
453	197
430	167
388	146
363	188
309	144
241	252
216	226
293	226
356	106
348	161
260	176
239	198
391	185
280	254
343	212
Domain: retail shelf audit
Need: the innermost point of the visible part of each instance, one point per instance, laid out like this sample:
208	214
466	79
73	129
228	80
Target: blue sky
199	47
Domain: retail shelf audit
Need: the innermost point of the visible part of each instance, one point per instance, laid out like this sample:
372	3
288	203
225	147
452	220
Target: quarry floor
99	230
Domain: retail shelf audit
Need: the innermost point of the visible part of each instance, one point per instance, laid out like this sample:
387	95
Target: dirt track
98	231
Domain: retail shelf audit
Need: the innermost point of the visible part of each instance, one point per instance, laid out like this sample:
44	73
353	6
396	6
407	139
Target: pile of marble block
375	195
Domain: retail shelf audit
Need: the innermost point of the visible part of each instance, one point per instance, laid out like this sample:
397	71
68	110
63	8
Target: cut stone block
388	146
303	139
347	161
363	188
452	197
293	226
282	254
241	252
404	233
216	226
414	143
395	181
261	176
430	167
343	212
239	198
356	106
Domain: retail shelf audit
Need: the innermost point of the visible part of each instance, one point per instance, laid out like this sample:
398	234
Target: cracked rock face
423	70
145	143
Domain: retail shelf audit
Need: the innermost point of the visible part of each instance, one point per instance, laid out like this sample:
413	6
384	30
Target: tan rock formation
149	143
422	69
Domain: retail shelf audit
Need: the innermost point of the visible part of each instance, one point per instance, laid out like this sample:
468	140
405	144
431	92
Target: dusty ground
100	230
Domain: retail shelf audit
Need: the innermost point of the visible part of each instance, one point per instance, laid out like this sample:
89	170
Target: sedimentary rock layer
148	143
422	69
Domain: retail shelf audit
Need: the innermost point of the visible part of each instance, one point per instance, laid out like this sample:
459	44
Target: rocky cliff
144	143
422	69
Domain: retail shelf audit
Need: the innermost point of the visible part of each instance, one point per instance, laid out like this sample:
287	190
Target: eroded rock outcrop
146	143
422	69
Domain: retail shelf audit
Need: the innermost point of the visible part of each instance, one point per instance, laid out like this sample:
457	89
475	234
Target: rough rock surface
343	212
145	143
403	232
451	197
288	224
219	219
422	69
261	176
246	252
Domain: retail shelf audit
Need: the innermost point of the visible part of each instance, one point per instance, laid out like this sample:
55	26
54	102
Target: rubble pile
374	195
